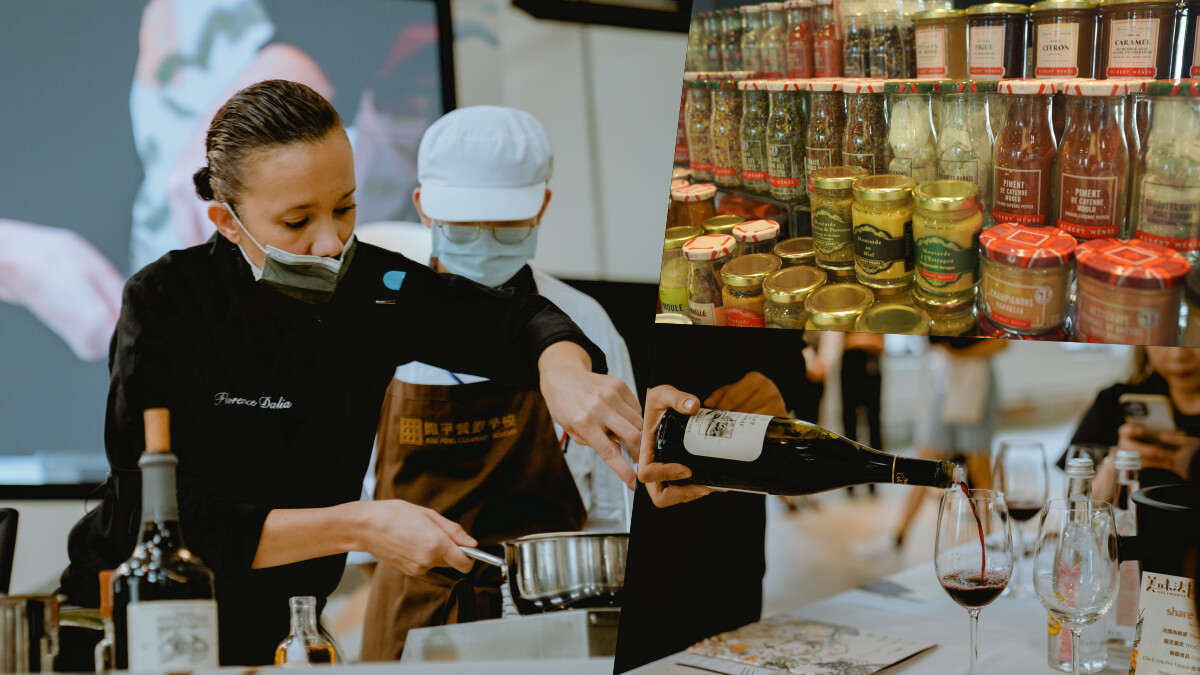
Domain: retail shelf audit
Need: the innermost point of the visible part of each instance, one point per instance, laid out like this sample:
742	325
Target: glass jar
1064	38
950	316
796	251
1166	189
1190	37
695	59
1191	331
1025	280
681	146
756	236
722	224
837	306
941	43
1093	162
726	130
1023	165
731	40
755	107
833	217
865	139
1137	121
964	143
672	280
752	33
997	40
912	142
698	124
786	291
714	40
856	50
742	295
774	44
1129	292
883	236
893	318
887	43
786	130
694	204
800	38
946	228
1136	39
827	41
706	256
826	124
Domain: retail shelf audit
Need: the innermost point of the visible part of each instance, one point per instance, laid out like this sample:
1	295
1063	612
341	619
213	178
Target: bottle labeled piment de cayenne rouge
164	606
781	456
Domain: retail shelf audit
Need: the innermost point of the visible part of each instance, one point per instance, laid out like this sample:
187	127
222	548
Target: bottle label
740	316
931	52
673	299
726	435
1018	196
1057	50
1170	215
1133	48
703	313
987	51
798	58
1035	307
1195	71
173	635
941	262
816	158
782	172
1087	207
864	159
876	251
901	166
832	233
959	169
1100	320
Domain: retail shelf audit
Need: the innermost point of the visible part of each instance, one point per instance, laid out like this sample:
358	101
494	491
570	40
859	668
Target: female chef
273	345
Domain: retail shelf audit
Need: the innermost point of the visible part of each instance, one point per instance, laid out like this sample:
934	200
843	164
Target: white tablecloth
1012	632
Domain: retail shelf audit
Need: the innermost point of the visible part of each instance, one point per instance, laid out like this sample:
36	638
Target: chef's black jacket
274	404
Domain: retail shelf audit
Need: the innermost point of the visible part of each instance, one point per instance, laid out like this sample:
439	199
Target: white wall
42	543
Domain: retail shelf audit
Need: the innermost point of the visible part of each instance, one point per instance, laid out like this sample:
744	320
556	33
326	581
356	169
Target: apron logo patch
416	431
266	402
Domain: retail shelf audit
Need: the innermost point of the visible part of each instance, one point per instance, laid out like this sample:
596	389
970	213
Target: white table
1012	632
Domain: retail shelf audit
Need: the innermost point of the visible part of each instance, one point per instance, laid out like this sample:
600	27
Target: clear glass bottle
800	38
832	218
786	291
755	112
706	256
865	140
786	130
752	33
672	279
1092	172
964	143
698	125
305	645
731	40
827	41
774	44
1093	644
1166	190
725	132
714	40
883	235
1023	162
826	126
911	148
1124	614
856	55
696	59
887	42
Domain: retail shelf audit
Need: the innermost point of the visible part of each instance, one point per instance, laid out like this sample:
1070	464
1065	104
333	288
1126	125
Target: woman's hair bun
203	181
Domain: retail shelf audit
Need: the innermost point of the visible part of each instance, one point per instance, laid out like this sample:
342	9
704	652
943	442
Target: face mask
310	278
485	260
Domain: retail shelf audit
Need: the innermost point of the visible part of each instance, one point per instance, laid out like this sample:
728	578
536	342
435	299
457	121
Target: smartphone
1153	411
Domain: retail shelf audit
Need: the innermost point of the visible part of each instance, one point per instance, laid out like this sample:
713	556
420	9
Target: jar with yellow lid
883	235
1064	38
742	296
946	226
832	217
796	251
837	306
672	281
786	291
694	204
893	318
950	316
707	255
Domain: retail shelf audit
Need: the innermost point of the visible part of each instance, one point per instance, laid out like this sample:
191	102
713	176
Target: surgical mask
310	278
484	260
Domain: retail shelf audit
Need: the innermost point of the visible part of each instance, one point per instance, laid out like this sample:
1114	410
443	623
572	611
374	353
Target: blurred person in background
862	387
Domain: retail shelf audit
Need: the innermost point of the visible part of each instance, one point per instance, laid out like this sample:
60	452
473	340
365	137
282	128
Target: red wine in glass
978	524
973	590
1022	512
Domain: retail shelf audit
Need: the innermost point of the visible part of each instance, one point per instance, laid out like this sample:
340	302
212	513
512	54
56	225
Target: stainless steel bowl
562	570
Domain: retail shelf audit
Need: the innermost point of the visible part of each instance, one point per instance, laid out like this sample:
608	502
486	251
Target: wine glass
1075	564
1020	473
973	552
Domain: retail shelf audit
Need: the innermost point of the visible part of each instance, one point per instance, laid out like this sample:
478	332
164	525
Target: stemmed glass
1020	473
1075	564
973	552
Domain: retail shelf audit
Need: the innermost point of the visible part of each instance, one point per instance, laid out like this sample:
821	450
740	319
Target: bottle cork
106	606
158	429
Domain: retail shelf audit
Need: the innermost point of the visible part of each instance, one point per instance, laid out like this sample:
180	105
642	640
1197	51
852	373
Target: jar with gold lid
941	41
796	251
883	235
786	291
893	318
742	296
722	224
946	228
832	217
672	281
951	316
837	306
756	236
707	255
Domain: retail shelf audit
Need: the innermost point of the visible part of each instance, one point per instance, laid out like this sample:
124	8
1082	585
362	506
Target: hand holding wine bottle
653	473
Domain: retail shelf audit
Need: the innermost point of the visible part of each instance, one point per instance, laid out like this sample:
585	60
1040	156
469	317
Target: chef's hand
413	538
1170	450
754	393
654	473
595	410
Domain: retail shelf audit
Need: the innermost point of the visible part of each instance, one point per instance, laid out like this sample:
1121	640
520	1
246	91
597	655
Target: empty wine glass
973	552
1020	473
1075	564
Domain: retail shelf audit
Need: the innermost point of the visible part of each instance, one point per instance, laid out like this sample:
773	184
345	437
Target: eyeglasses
465	233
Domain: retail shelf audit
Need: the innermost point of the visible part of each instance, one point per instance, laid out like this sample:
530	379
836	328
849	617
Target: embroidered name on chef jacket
265	402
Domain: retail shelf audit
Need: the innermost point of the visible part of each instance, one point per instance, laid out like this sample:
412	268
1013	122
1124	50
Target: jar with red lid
1166	186
1025	278
1136	38
707	255
800	38
1129	292
694	204
1064	38
1024	155
756	236
698	125
1092	173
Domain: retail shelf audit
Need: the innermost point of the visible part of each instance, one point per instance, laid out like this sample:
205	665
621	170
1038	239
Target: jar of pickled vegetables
1129	292
832	217
694	204
707	255
742	295
786	291
796	251
946	228
883	235
1025	280
837	306
672	281
756	236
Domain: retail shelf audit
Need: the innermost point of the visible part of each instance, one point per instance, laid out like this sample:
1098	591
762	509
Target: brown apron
483	455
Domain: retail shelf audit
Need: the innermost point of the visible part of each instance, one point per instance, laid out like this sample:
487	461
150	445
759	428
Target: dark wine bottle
781	456
164	605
